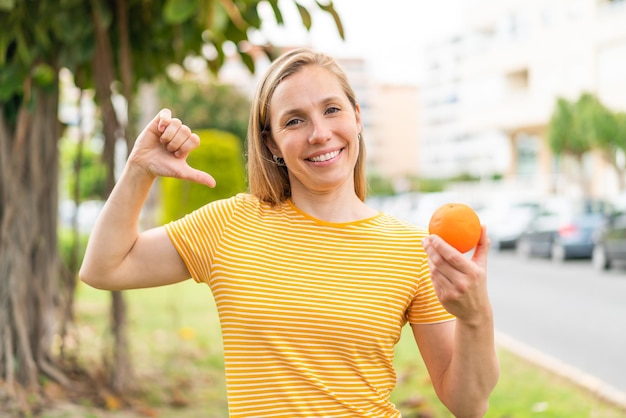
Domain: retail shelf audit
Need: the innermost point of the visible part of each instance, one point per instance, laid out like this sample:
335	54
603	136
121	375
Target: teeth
324	157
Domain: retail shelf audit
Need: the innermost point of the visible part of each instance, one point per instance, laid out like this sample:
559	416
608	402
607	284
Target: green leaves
178	11
11	82
565	133
330	8
305	16
6	5
277	13
37	38
44	75
162	32
586	124
307	20
247	60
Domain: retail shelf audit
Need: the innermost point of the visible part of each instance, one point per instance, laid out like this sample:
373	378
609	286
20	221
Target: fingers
449	282
449	267
460	282
179	141
176	136
443	256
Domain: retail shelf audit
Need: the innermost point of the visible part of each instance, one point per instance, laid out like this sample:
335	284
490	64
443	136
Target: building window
518	80
527	154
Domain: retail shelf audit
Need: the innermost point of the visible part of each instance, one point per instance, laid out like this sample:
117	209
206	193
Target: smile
324	157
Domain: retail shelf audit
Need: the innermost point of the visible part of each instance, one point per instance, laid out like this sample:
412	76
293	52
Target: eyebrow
295	111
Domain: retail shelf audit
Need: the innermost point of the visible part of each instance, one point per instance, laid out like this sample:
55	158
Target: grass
177	349
524	390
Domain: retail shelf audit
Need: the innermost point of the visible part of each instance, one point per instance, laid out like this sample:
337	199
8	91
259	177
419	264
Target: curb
584	380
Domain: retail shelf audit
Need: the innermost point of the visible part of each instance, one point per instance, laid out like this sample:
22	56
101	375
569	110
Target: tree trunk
126	70
29	262
582	180
621	179
610	157
70	272
118	358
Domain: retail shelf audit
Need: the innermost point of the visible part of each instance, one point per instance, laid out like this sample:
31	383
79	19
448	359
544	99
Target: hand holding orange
457	224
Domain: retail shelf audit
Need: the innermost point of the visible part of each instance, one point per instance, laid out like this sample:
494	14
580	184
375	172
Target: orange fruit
457	224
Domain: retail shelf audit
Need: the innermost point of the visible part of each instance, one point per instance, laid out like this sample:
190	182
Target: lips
324	157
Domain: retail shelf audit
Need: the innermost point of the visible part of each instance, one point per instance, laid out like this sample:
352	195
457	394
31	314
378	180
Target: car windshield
575	207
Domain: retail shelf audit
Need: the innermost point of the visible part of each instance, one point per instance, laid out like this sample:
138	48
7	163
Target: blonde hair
266	179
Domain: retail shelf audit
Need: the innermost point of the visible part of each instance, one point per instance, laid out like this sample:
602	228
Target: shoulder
393	224
216	210
231	204
241	207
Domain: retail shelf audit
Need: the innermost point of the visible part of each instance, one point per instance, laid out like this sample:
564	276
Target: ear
270	143
357	112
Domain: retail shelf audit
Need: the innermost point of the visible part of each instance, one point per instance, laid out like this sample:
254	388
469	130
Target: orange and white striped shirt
310	310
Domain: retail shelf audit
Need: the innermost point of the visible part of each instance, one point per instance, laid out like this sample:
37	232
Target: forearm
473	370
117	228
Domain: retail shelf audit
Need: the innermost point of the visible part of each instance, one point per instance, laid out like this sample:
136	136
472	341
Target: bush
93	172
219	154
430	185
66	241
379	186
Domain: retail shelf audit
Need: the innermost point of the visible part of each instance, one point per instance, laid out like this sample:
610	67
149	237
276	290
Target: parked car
610	242
507	221
428	203
563	229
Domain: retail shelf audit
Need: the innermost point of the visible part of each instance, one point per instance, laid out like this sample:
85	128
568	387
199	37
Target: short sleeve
425	308
196	236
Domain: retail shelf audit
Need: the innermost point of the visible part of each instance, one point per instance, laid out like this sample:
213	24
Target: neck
339	208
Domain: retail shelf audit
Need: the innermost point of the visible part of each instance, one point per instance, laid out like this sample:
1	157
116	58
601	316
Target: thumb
197	176
482	248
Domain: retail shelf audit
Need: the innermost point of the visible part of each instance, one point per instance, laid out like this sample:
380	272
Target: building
491	88
393	139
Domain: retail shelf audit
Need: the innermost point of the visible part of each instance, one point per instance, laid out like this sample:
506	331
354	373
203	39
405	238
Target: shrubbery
221	155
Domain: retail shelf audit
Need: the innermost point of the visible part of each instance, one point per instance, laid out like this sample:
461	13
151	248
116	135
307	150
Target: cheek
356	142
288	147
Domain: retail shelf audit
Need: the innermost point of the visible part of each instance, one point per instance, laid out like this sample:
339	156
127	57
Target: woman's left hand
460	281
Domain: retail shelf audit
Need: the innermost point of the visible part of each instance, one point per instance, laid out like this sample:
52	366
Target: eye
293	122
332	109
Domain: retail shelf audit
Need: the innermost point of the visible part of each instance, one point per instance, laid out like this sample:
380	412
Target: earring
278	160
358	136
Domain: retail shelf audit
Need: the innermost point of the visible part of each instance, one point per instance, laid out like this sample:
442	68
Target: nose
320	131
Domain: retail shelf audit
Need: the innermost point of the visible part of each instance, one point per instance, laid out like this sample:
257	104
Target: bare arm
460	355
118	256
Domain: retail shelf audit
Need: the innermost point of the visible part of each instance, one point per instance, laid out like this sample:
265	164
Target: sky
389	34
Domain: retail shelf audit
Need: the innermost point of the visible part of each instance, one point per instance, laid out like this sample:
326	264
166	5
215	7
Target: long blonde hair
266	179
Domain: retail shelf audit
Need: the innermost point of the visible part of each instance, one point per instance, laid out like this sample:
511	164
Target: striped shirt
310	310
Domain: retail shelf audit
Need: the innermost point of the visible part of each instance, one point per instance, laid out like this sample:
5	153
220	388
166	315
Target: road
569	312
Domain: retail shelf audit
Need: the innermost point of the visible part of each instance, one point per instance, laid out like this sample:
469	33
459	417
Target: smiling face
315	128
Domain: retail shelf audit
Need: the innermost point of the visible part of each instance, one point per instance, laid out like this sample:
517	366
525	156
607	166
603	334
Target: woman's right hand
162	148
118	255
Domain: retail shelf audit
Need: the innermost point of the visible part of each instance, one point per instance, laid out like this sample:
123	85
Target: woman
312	286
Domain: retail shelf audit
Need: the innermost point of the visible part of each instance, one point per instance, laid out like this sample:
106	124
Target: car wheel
558	253
599	258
